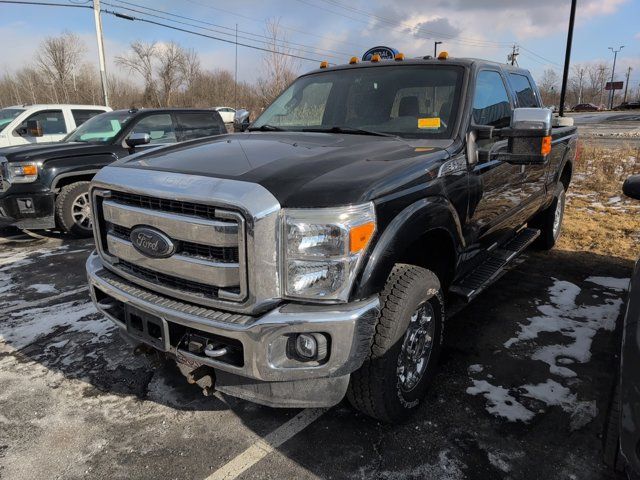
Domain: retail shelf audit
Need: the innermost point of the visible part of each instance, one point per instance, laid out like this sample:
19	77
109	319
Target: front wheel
73	212
404	354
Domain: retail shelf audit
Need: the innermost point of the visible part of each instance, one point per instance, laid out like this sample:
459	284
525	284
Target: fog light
306	346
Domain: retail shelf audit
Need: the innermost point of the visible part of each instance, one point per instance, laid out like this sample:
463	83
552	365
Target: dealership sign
386	53
614	86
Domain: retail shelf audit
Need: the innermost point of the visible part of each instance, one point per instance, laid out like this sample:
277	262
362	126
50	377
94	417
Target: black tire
376	389
611	443
67	207
545	221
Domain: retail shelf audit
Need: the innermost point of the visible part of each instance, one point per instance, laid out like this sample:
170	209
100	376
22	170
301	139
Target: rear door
492	212
192	125
81	115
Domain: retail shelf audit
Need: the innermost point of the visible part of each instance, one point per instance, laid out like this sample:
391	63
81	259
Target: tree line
149	74
586	84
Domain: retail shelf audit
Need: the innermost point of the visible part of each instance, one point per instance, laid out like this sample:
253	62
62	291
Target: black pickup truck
46	185
318	254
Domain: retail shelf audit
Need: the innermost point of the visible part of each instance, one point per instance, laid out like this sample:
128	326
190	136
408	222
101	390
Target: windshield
8	114
100	129
408	101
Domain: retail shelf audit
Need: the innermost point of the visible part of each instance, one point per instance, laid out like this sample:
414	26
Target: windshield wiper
349	131
266	128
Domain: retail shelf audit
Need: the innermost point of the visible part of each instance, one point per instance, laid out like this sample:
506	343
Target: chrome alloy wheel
81	211
416	348
558	214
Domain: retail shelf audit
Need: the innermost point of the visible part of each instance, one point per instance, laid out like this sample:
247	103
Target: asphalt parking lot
522	392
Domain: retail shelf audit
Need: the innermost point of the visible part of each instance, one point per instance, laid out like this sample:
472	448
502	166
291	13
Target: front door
496	185
54	128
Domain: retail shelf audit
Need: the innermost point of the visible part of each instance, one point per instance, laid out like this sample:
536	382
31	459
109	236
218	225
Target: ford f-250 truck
47	185
319	253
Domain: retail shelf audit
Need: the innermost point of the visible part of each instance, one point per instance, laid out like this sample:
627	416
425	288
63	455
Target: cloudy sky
334	30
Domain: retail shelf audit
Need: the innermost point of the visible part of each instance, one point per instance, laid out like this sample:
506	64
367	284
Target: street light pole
567	56
613	72
103	70
435	49
626	84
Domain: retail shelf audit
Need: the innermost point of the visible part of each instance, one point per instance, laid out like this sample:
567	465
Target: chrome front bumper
350	328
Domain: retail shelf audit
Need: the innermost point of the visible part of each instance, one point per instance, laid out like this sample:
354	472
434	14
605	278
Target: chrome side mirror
137	139
241	120
529	136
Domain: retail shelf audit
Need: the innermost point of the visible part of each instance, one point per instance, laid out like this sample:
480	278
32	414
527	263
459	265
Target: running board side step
494	266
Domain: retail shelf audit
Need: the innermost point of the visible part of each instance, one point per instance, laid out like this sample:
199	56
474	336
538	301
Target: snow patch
43	288
501	402
619	284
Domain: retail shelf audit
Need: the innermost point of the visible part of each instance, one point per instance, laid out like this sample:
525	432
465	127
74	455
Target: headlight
22	172
323	249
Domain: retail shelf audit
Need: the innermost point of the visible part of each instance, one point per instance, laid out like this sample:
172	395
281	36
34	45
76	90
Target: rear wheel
550	220
73	212
401	364
612	456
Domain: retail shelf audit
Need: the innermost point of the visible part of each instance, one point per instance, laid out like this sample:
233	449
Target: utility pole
567	56
513	56
103	70
435	49
602	82
613	72
235	90
580	83
626	84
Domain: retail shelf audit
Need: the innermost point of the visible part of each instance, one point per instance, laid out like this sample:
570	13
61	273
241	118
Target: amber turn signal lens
375	58
545	149
399	57
324	64
443	55
353	60
29	170
359	236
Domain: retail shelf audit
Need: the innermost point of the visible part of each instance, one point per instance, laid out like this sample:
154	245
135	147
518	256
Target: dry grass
598	217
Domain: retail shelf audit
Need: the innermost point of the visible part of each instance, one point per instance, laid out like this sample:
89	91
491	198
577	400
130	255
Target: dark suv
46	185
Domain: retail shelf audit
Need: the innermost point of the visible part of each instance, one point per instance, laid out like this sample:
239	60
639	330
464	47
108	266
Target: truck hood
42	152
304	169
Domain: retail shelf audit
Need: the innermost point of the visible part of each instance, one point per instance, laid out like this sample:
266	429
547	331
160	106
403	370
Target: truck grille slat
208	265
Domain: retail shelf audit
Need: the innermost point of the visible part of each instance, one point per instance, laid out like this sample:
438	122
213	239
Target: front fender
427	214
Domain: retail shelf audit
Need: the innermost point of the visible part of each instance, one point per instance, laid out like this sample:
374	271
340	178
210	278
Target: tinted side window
198	125
159	127
52	122
81	116
491	102
524	90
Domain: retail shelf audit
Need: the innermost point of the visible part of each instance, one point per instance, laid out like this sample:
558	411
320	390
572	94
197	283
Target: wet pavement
522	392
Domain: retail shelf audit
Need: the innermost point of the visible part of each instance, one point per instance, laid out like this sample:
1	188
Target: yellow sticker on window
429	122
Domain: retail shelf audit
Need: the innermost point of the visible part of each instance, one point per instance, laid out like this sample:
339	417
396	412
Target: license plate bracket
146	327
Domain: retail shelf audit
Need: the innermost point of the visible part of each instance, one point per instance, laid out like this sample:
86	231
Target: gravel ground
522	392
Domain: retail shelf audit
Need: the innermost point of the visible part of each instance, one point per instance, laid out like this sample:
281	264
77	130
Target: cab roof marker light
353	60
375	58
399	57
443	55
324	64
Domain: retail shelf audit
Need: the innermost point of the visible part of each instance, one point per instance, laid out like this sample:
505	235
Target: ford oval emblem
152	243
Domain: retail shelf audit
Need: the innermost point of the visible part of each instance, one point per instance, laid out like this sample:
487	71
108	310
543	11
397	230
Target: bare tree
278	69
140	60
548	85
58	58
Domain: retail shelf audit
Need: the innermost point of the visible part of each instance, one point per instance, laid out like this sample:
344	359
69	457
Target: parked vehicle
585	107
46	186
29	124
227	113
622	439
241	120
628	106
311	256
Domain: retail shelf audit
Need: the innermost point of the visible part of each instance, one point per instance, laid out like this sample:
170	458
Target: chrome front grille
209	262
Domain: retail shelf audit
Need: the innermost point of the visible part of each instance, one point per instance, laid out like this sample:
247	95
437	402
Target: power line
230	29
285	27
48	4
172	27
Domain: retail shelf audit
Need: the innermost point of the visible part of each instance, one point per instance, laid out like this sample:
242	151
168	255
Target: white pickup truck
29	124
